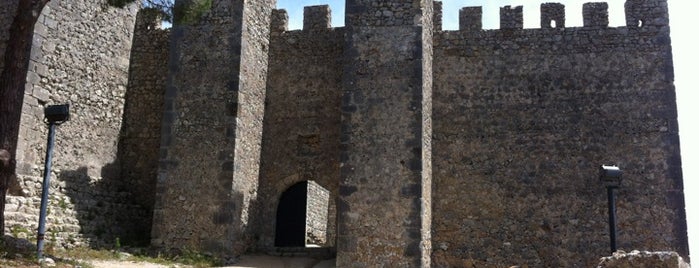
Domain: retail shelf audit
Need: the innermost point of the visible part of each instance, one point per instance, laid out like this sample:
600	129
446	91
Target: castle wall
523	119
80	56
302	118
211	131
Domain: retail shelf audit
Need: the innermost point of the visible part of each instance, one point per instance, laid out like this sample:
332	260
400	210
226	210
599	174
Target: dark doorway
291	217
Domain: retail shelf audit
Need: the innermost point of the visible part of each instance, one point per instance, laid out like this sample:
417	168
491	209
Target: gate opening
302	216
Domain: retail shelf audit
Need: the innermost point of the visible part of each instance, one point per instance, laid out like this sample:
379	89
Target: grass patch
191	259
16	252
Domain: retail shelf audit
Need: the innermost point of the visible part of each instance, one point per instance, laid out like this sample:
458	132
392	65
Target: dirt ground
247	261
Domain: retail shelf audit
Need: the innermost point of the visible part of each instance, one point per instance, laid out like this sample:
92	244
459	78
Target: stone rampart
85	65
523	118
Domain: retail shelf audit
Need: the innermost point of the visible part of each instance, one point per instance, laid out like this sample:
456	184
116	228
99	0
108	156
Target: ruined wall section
302	118
8	8
139	143
80	56
211	128
522	121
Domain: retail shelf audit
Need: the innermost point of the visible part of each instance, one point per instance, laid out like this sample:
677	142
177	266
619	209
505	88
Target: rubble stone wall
523	120
80	56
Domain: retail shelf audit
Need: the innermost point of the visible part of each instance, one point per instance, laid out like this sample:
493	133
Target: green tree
13	78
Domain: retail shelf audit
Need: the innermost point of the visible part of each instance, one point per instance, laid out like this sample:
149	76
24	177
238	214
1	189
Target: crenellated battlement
315	18
280	21
553	15
148	19
511	17
639	13
595	14
471	19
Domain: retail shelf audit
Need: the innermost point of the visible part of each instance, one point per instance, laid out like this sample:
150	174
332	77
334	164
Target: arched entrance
291	217
302	216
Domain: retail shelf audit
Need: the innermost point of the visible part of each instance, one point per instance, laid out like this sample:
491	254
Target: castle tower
212	125
384	203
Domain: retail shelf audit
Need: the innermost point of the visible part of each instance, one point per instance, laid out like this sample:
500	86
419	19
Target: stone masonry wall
523	119
80	56
385	135
7	14
302	119
212	127
317	214
139	141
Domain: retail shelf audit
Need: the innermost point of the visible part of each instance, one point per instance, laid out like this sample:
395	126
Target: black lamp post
610	176
53	115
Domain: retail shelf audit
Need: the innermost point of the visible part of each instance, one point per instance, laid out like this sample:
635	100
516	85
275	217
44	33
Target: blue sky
683	32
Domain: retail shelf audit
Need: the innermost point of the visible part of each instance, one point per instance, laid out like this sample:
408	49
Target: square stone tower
212	125
384	203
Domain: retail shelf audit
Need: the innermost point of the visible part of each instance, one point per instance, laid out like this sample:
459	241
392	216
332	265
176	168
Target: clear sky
684	44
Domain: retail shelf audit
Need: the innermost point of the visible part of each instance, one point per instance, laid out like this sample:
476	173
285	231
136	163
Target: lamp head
57	114
610	175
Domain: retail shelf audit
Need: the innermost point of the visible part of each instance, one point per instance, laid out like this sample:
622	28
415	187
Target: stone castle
386	142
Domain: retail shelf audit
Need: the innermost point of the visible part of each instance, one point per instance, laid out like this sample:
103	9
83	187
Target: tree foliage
164	7
187	12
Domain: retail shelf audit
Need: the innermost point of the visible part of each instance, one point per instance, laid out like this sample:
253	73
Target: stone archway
302	216
291	217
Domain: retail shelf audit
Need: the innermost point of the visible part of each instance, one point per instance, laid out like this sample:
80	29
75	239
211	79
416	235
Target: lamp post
610	176
53	115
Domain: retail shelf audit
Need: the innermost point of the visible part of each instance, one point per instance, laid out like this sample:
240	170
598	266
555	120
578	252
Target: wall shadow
105	210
